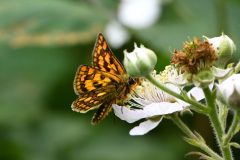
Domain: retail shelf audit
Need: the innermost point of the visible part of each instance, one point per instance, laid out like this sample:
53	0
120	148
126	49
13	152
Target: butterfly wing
91	100
93	87
102	111
104	59
98	85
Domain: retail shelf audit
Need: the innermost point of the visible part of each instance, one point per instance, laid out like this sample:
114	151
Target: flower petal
197	93
236	83
151	110
221	73
227	87
145	127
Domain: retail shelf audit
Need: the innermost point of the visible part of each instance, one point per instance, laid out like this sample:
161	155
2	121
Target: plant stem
216	124
202	145
232	129
198	107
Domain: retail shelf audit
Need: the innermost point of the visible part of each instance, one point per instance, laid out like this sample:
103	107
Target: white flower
139	14
116	34
229	91
140	62
153	104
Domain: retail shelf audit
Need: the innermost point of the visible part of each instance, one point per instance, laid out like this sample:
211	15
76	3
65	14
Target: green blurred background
42	42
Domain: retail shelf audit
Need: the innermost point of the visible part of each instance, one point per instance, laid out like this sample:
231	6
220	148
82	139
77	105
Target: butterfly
102	84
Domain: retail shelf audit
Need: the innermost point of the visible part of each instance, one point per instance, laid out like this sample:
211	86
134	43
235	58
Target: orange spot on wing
84	68
91	70
87	99
107	58
104	45
83	77
101	94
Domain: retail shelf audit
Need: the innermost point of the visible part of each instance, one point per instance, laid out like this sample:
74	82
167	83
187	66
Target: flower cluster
198	79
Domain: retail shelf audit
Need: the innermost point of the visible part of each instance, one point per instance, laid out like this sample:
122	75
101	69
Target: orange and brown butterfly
102	84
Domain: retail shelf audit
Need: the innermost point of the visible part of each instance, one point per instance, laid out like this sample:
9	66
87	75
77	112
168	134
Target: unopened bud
140	62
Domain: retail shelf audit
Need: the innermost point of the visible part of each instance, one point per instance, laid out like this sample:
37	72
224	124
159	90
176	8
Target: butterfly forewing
104	59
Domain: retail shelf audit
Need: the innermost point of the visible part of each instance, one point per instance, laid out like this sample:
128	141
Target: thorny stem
216	124
181	125
196	106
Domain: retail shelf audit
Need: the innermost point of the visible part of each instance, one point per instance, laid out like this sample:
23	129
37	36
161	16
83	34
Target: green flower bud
140	62
224	47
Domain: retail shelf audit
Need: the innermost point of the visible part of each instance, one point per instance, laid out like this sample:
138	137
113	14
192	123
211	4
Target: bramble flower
229	91
197	59
140	62
152	104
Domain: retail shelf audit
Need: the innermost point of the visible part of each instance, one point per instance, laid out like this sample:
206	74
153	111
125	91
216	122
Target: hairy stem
216	124
202	145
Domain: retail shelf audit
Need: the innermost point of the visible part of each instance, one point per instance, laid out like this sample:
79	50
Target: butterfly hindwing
102	112
93	87
91	100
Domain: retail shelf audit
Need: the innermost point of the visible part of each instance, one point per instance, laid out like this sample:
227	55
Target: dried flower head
196	55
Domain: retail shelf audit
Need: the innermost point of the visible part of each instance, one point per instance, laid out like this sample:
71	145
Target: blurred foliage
42	42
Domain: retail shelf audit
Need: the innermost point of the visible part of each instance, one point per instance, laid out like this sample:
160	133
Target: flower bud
224	47
140	62
229	91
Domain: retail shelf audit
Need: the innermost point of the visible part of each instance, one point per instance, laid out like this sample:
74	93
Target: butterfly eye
131	81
